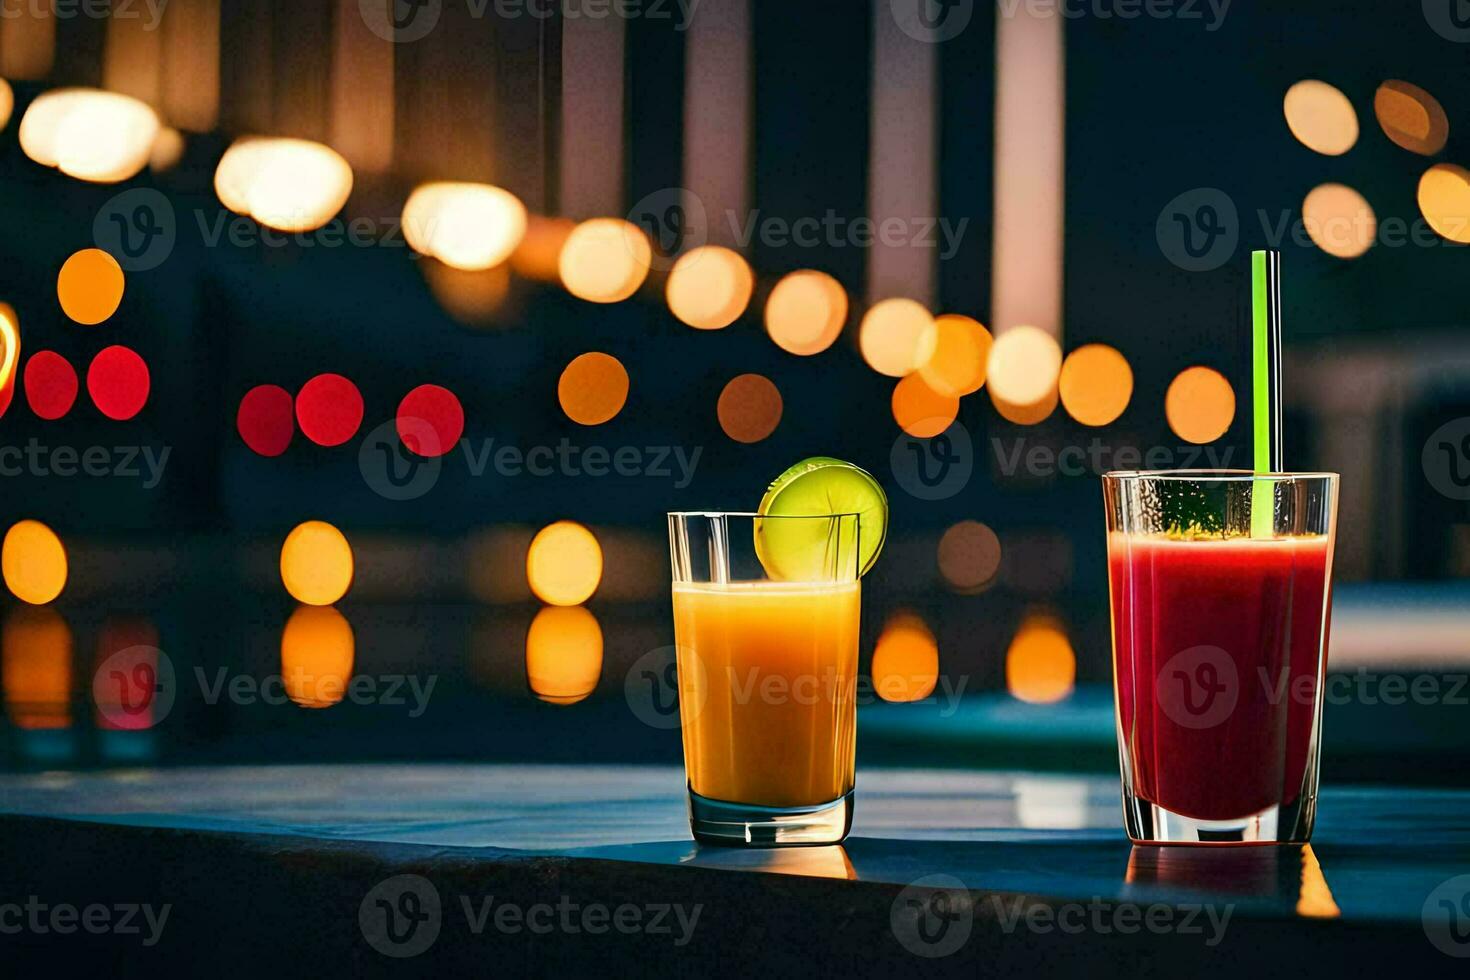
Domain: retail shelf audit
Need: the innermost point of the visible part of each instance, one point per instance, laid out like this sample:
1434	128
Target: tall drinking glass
766	629
1221	601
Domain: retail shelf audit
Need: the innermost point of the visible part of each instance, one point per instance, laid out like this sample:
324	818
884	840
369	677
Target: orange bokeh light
890	336
968	556
709	287
316	563
749	408
1040	665
806	312
34	563
1095	384
563	654
90	286
1320	117
1023	367
36	668
921	411
953	355
905	659
1411	117
593	388
564	564
605	260
1200	405
1339	220
1444	200
317	651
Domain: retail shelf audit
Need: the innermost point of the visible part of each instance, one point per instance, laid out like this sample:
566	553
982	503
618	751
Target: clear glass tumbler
1221	587
766	613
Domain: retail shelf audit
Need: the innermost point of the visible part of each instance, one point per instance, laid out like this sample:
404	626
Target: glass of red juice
1221	585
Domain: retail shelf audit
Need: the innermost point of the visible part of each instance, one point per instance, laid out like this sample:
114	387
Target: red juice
1218	648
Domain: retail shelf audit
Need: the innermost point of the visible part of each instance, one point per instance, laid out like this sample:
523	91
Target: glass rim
764	517
1219	476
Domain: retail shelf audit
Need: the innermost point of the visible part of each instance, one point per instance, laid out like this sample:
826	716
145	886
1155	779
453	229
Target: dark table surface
288	866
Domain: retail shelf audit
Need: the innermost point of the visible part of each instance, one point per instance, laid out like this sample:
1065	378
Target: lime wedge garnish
811	550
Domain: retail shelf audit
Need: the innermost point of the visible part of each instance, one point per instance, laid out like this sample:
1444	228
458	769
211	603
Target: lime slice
811	551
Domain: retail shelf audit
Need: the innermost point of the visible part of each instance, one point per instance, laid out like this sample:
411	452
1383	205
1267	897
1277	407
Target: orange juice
767	679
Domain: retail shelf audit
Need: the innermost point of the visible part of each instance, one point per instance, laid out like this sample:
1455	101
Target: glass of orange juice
766	612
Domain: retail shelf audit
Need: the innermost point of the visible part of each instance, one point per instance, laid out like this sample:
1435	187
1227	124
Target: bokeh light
1321	117
1023	367
290	185
593	388
168	150
953	354
709	287
564	564
1033	414
430	420
90	286
35	668
1095	384
890	336
33	560
7	102
1200	405
317	652
89	134
605	260
1444	200
968	556
1040	665
50	383
118	382
266	419
329	409
125	675
805	312
316	563
1339	220
563	654
749	408
905	659
1411	117
921	411
466	226
9	353
539	254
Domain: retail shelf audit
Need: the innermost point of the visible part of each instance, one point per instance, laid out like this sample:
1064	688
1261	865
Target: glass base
1149	823
748	825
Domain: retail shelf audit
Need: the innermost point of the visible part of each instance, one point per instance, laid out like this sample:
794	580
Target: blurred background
450	301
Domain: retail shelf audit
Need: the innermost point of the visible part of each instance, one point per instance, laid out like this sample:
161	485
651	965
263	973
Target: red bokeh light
430	420
329	409
51	384
6	394
266	419
118	382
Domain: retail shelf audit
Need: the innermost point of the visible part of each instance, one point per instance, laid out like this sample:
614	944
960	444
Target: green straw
1266	384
